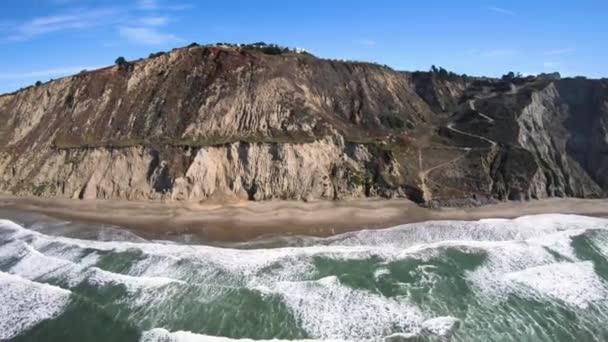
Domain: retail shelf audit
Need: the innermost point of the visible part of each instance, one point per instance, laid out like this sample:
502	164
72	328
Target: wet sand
242	221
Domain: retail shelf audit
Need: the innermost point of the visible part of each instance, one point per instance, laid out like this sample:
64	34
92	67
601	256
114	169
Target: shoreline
244	221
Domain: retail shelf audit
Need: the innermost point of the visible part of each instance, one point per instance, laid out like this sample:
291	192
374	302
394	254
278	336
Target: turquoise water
535	278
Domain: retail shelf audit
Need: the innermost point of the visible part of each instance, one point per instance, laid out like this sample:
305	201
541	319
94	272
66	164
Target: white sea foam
115	234
292	262
35	265
324	307
163	335
574	283
441	326
540	267
381	272
522	228
13	249
400	337
101	277
25	303
360	245
327	309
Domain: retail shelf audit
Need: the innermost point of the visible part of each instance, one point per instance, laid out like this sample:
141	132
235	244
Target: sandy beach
242	221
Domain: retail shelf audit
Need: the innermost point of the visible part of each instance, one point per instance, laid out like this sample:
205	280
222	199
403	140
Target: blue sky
43	39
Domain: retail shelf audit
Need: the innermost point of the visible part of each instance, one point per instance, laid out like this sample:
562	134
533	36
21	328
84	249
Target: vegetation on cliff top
276	49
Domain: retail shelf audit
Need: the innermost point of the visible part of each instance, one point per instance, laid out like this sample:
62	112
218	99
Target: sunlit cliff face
222	120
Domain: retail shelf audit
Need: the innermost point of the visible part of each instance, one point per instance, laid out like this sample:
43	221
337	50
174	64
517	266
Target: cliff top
263	50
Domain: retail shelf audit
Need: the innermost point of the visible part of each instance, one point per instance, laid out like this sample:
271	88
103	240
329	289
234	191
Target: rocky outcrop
203	121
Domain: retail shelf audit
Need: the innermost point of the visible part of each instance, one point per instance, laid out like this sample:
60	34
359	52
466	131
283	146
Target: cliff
201	122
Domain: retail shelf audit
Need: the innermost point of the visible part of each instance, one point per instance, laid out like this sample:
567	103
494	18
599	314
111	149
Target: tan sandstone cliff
202	121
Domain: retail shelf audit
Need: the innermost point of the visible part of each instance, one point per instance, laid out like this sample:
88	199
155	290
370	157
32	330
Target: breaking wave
543	277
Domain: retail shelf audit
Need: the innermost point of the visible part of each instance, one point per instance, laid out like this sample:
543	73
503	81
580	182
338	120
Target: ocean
534	278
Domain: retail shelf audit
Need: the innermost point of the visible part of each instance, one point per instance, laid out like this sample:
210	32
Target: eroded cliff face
207	121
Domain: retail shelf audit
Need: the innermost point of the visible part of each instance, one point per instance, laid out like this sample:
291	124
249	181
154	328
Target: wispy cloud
366	42
148	36
45	73
146	31
560	51
179	7
502	11
147	4
133	25
72	20
155	5
154	21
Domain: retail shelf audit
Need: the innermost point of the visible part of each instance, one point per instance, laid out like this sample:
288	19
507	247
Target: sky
44	39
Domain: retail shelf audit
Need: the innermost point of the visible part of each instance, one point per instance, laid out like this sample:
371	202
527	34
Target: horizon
51	39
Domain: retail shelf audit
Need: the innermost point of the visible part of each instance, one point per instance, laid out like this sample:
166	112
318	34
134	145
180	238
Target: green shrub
39	189
158	54
120	61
